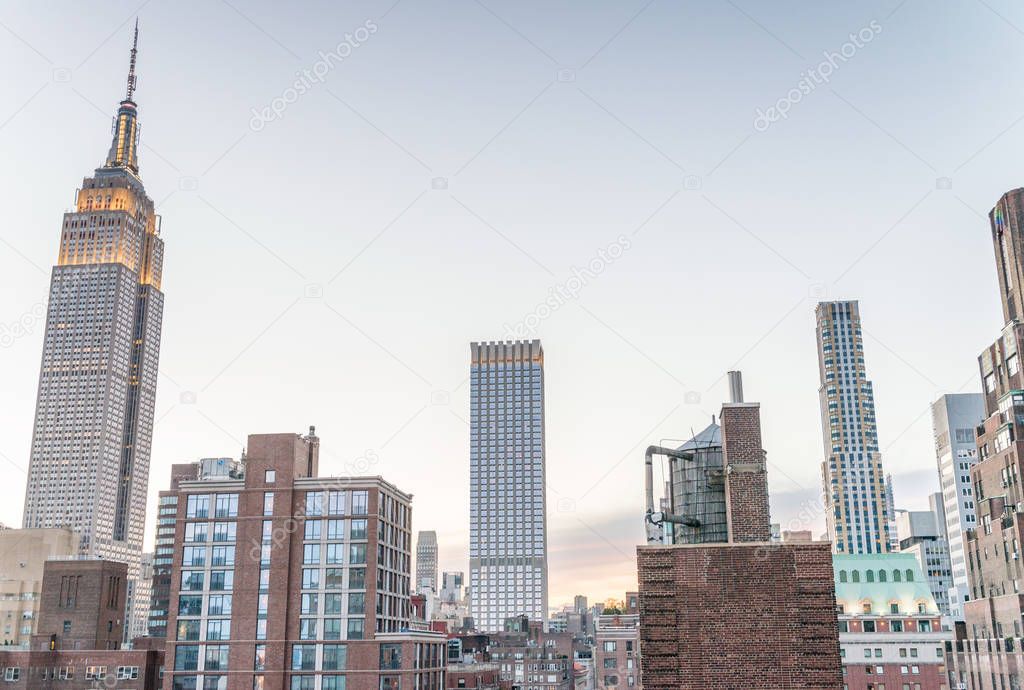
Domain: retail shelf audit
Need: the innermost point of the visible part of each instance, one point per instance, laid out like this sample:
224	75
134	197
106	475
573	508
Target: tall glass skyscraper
508	567
854	483
89	464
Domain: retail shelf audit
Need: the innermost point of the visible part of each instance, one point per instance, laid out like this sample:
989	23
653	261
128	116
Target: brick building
988	651
890	626
23	554
80	625
617	649
285	579
747	612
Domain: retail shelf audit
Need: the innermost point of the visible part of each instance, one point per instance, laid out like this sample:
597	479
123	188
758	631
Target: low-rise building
23	553
890	628
80	628
617	650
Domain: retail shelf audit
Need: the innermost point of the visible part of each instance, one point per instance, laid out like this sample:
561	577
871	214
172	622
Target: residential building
23	554
138	624
703	606
426	561
286	579
451	586
920	535
89	462
81	624
617	651
954	420
992	630
854	486
508	568
890	628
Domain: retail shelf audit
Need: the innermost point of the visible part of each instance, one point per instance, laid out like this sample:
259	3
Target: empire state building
89	466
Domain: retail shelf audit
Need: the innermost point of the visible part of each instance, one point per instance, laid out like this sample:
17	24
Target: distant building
426	561
617	651
142	591
508	567
920	534
81	624
955	417
890	628
23	554
855	491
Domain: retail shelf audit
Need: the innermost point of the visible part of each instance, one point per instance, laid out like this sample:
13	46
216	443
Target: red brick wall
746	485
722	617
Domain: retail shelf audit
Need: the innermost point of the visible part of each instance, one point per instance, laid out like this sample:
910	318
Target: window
195	531
357	553
842	576
218	629
310	578
307	628
95	672
355	628
190	605
335	554
869	626
197	507
332	683
227	506
127	672
358	530
336	503
224	531
312	530
268	503
309	604
314	503
609	646
333	578
311	554
260	662
222	580
357	603
186	657
359	503
390	657
910	575
216	657
924	626
270	476
335	529
335	657
188	629
357	578
223	555
303	682
12	673
191	580
332	629
332	604
303	657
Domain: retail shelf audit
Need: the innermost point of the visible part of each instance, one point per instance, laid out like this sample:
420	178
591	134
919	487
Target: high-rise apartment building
855	493
89	464
992	656
954	420
286	579
23	555
921	536
426	560
508	568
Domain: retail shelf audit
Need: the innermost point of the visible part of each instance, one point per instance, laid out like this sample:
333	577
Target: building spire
124	147
131	65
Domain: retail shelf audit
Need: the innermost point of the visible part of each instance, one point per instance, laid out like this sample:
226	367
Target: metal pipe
735	386
649	469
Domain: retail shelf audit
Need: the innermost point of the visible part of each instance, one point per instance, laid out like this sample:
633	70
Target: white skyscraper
855	494
508	571
954	418
89	464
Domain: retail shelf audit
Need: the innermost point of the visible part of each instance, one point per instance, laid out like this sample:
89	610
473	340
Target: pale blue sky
559	127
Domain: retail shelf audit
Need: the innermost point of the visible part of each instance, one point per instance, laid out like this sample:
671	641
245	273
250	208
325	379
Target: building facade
426	561
89	462
955	417
23	554
508	570
617	651
81	624
285	579
920	535
854	487
745	613
890	628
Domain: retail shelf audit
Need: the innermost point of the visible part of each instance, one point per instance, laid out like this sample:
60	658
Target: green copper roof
904	583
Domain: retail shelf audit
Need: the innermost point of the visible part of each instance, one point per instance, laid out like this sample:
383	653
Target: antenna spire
131	66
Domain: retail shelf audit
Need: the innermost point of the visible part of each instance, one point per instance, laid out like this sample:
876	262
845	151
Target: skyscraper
854	488
954	420
508	568
89	464
426	560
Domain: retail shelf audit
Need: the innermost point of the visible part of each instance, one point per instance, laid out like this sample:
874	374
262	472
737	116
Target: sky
659	191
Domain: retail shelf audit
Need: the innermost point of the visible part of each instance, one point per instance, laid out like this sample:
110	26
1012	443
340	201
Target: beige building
22	555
